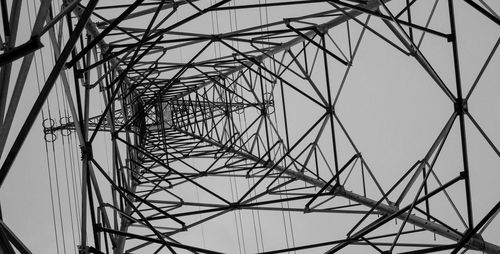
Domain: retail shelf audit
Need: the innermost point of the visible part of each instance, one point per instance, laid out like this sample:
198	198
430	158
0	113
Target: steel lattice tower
264	126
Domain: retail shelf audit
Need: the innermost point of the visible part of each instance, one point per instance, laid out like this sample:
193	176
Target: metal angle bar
158	241
161	32
430	250
147	154
430	217
322	47
10	41
158	94
427	23
23	133
395	19
137	198
336	176
14	239
459	109
101	35
5	19
331	243
21	78
131	205
372	209
363	162
483	68
417	54
490	16
5	245
353	53
330	109
119	80
120	31
151	10
413	205
406	8
401	213
67	8
370	5
383	208
67	90
485	136
368	242
306	75
471	232
93	31
365	25
255	61
22	50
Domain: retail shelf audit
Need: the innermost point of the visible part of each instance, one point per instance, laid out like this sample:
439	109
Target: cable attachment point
87	151
461	107
48	130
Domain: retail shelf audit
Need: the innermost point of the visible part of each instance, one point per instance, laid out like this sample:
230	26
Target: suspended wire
200	215
287	203
37	75
233	198
213	28
73	181
58	192
61	116
75	174
54	153
237	214
234	25
66	139
256	220
105	140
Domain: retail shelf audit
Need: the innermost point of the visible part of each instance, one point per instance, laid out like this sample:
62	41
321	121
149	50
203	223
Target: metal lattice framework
228	115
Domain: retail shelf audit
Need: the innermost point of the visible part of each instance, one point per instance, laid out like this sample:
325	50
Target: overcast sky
390	107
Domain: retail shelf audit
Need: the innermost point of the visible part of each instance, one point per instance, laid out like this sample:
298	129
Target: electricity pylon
242	113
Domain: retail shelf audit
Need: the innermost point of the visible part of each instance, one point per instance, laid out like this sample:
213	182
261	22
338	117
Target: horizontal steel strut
476	242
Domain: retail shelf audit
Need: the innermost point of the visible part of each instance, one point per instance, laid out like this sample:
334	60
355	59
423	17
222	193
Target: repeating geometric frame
248	120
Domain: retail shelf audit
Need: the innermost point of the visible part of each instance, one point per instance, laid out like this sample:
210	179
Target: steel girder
176	125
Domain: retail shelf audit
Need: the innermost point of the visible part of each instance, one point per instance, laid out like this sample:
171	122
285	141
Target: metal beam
475	242
49	83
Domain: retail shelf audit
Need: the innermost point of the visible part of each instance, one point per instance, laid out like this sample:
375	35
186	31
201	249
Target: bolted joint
412	51
269	164
461	107
79	73
464	175
451	37
307	209
87	151
478	240
234	206
215	37
13	53
174	5
338	190
320	30
263	111
330	110
335	187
